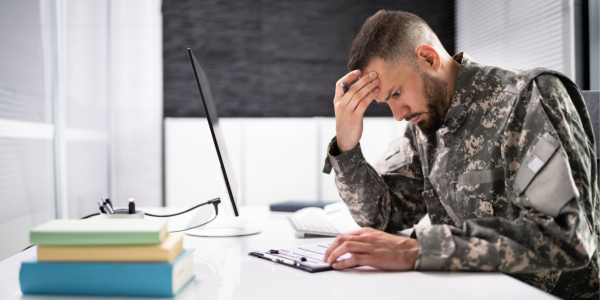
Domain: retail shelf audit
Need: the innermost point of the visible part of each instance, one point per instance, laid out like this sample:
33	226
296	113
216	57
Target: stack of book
107	257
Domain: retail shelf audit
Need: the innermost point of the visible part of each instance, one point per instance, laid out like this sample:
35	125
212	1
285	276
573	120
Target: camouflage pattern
508	181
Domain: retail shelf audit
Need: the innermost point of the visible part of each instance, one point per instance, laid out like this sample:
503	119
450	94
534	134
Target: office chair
592	101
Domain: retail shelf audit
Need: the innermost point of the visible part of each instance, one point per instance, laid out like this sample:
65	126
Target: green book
99	232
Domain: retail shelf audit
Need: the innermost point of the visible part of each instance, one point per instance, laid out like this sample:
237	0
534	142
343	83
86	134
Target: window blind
517	34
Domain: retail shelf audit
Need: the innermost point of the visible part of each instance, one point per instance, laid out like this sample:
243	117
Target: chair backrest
592	101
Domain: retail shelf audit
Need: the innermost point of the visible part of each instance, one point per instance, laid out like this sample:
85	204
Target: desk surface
225	271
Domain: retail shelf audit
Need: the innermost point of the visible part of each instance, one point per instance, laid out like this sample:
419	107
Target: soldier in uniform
502	161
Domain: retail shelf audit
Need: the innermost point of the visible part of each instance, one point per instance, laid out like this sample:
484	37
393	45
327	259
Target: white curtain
80	110
519	34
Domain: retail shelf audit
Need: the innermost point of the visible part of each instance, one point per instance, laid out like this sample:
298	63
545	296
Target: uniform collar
465	88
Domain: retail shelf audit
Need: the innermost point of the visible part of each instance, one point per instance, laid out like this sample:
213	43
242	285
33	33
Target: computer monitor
221	227
215	130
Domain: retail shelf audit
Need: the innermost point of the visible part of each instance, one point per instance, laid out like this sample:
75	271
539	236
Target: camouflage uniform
508	181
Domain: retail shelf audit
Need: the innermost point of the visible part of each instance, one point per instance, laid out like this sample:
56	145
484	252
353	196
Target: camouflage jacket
509	182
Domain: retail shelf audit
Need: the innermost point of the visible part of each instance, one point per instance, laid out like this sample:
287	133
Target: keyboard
312	226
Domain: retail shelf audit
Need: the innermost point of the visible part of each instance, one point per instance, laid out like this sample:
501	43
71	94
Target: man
502	160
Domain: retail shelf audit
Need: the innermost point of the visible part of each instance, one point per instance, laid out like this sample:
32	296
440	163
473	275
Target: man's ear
428	58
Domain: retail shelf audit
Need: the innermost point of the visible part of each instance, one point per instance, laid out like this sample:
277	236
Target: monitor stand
223	232
222	226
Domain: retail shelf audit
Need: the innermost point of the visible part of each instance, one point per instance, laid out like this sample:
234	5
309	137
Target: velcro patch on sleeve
545	177
553	186
543	149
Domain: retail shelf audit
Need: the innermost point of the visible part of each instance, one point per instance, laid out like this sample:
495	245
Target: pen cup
123	213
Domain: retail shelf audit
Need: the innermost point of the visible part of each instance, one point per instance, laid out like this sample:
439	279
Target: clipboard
308	264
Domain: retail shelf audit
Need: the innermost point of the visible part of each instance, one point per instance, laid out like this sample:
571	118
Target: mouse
310	212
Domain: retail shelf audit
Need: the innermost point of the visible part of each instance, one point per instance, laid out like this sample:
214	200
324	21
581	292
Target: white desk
225	271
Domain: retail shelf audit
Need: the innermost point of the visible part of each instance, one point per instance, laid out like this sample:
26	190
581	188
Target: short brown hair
392	36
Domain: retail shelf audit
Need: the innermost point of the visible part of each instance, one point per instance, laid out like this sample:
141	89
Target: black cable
88	216
28	247
196	226
214	202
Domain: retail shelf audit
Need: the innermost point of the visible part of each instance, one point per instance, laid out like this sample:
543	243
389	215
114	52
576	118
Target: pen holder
123	213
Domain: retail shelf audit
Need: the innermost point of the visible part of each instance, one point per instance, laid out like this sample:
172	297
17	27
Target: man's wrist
334	148
343	148
413	252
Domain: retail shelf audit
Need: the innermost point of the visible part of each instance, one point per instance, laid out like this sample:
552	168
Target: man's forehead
385	69
379	65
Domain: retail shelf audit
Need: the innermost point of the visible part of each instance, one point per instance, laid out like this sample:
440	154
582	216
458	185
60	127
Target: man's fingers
342	238
363	236
356	260
336	243
357	86
339	91
367	93
346	263
361	83
353	244
346	247
363	105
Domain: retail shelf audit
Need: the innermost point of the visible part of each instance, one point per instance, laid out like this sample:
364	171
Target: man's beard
436	91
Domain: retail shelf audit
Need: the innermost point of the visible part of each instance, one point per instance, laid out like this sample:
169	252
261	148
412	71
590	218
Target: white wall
275	159
85	115
80	109
27	190
136	42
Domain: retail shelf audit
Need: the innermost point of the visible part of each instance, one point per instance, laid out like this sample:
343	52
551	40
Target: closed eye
389	95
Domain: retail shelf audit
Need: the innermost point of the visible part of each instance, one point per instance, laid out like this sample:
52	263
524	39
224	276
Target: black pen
107	206
110	203
131	206
108	209
282	260
102	210
344	87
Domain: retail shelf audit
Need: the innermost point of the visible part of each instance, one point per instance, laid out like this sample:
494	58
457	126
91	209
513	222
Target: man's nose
399	112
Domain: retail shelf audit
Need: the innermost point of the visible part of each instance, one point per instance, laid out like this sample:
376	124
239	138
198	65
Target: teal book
108	279
97	232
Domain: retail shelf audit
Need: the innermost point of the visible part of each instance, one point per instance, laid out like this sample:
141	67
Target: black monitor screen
215	130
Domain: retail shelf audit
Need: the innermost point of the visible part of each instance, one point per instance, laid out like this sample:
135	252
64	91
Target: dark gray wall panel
267	58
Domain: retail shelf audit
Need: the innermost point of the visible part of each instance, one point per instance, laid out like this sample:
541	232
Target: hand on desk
370	247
